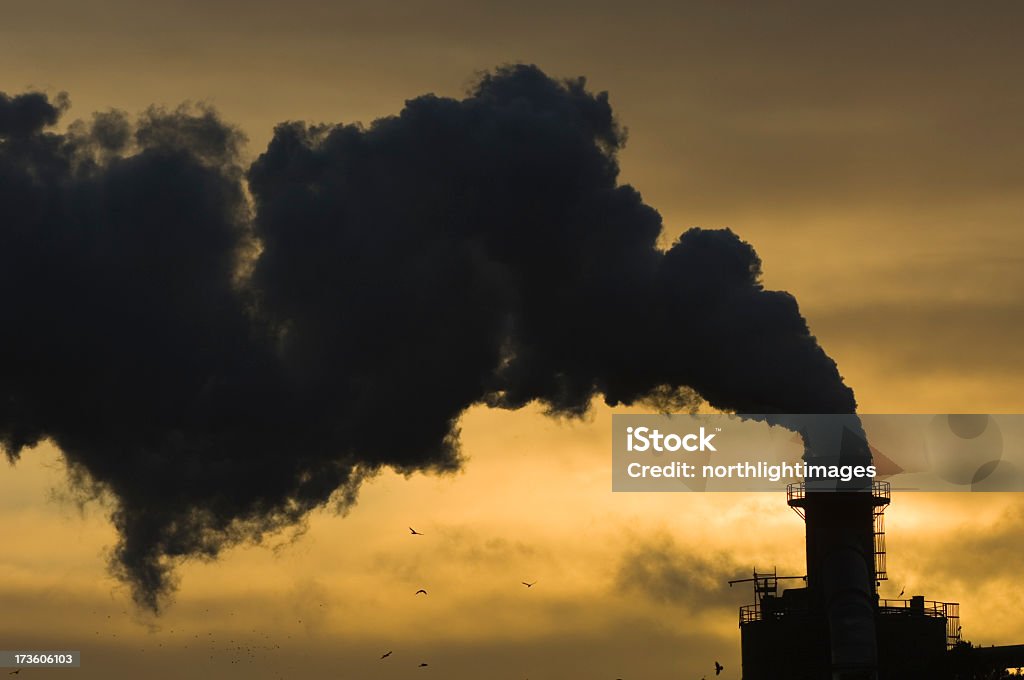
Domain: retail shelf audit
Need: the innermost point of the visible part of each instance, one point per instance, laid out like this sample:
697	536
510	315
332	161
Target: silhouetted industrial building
832	624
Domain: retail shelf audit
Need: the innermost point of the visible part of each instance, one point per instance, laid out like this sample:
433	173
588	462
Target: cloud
659	569
924	337
988	548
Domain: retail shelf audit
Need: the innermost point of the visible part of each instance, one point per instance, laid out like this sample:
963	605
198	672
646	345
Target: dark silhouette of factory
831	623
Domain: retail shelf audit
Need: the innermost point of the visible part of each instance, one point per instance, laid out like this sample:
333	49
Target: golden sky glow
872	155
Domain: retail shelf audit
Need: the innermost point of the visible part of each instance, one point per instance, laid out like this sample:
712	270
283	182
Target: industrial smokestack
221	368
840	550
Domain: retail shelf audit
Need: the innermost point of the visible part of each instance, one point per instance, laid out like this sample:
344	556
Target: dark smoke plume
222	366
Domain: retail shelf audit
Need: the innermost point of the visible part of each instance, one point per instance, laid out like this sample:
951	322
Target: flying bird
421	591
902	590
528	585
719	668
414	532
386	655
423	665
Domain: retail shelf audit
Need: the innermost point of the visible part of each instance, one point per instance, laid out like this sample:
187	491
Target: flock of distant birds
248	652
422	591
718	667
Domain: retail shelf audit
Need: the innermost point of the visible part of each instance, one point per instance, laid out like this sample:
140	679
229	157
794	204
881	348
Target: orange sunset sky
872	153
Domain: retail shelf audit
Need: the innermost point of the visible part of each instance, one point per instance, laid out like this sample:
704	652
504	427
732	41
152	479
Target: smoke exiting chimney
221	367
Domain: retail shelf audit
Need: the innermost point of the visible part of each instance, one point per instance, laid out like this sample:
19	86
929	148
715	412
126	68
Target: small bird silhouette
528	585
414	532
423	665
14	672
386	654
719	668
421	591
902	590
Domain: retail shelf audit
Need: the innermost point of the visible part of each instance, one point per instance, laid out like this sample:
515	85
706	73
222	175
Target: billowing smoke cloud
222	366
